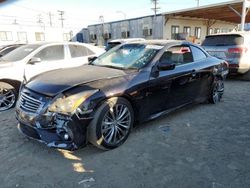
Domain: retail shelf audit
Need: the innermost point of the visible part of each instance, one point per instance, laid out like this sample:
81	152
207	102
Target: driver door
171	89
52	57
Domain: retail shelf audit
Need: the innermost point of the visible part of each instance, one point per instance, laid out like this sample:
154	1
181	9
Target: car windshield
20	53
128	56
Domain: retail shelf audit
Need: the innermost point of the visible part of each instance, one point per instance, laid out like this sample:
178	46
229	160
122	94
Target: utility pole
101	19
61	14
155	8
39	19
50	19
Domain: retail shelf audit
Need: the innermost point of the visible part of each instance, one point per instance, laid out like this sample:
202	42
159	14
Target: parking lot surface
203	146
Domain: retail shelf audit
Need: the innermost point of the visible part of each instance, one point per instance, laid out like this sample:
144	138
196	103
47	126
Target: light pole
124	14
198	3
101	19
245	5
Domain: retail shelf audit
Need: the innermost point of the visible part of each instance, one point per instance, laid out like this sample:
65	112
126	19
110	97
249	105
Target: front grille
29	104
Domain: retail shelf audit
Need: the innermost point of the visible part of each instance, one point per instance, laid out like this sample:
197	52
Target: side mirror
163	66
91	59
34	60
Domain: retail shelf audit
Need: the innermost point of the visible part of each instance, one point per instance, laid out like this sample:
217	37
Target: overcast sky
84	12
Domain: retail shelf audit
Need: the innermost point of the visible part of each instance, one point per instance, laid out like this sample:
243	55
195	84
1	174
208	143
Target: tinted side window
51	53
178	55
198	54
78	51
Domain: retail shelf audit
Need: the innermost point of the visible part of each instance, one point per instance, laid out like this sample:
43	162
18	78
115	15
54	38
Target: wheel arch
125	96
15	83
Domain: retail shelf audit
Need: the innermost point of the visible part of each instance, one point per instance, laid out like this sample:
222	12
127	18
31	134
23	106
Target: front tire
112	124
8	96
217	91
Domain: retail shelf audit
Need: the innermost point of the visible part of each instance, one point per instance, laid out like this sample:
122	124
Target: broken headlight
68	104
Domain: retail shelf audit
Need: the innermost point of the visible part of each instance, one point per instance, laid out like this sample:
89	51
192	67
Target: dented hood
54	82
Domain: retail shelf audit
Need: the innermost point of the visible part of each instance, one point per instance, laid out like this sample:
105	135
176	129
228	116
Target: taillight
238	50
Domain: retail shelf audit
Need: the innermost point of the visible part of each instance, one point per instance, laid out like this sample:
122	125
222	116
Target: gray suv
234	47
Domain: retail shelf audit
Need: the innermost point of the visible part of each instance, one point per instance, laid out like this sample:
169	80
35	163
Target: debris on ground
164	128
86	180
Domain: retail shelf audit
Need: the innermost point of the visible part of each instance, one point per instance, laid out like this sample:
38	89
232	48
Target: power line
11	16
28	8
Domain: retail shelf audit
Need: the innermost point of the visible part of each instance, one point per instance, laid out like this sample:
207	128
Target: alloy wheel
7	98
116	124
218	91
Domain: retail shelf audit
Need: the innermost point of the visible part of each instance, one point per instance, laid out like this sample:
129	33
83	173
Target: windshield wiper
110	66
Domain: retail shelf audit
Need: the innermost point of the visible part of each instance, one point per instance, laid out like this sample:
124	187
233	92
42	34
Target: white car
32	59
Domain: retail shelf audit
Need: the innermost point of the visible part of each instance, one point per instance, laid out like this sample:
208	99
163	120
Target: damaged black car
132	83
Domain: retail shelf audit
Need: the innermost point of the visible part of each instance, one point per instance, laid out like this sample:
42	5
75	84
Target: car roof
232	33
126	40
52	43
10	45
161	42
44	44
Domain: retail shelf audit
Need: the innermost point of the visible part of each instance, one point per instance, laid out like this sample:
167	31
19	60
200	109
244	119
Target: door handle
193	73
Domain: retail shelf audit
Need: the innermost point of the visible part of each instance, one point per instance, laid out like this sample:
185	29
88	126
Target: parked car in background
32	59
135	82
8	48
234	47
115	42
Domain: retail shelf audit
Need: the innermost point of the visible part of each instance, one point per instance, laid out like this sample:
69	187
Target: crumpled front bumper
48	137
67	133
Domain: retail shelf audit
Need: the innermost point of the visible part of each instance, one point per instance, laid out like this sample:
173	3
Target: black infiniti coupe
100	102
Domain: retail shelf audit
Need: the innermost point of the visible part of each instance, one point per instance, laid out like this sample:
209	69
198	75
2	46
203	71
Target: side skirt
154	116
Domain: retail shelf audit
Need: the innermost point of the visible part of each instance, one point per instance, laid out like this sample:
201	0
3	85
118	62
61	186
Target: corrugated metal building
193	24
141	27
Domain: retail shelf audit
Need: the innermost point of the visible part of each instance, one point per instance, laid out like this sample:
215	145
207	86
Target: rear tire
216	91
112	124
8	96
